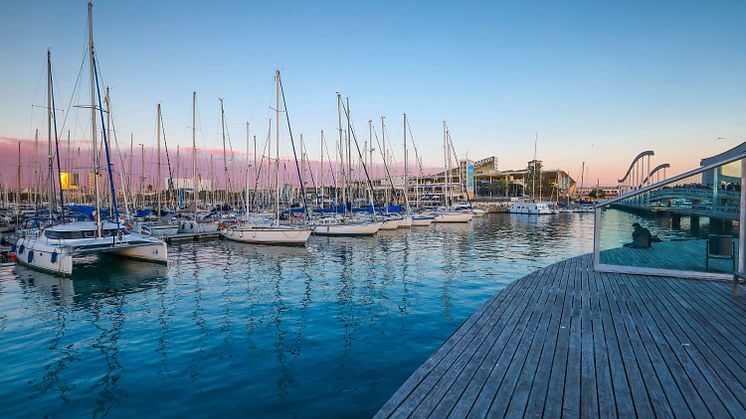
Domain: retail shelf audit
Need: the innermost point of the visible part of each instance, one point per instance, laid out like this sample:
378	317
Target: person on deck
641	237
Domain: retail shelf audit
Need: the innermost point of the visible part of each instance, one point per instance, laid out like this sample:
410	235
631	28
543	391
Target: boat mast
385	164
341	152
277	143
94	130
50	189
158	141
533	171
108	135
225	158
321	171
406	167
248	165
445	164
194	152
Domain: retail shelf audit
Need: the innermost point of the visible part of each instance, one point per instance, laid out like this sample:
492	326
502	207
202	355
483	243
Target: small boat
54	248
422	220
453	217
156	229
390	222
341	226
531	208
405	222
286	235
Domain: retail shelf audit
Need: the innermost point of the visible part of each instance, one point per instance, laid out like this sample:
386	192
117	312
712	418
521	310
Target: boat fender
13	248
222	226
30	256
53	257
21	249
129	227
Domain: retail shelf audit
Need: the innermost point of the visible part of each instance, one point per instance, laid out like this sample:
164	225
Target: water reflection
332	329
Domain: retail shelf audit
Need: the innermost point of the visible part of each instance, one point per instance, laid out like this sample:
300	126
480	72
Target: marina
403	211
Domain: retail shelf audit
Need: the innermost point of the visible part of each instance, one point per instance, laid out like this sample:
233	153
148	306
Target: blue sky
598	81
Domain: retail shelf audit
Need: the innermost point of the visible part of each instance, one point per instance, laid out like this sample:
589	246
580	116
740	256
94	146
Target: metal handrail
670	180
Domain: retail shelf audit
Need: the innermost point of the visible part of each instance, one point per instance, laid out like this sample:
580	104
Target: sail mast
225	158
277	140
406	167
50	189
248	165
158	141
94	130
194	152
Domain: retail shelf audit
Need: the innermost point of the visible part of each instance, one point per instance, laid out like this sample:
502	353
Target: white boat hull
390	225
347	229
268	235
157	230
453	217
422	221
405	222
195	227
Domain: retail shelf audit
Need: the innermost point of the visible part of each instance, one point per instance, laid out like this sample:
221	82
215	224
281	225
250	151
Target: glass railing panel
690	225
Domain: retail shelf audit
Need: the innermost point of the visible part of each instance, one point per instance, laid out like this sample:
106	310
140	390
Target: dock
568	341
191	237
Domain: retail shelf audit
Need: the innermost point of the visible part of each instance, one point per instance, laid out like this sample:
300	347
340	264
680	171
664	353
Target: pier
566	340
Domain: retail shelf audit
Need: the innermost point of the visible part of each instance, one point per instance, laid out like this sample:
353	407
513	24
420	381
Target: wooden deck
566	341
686	255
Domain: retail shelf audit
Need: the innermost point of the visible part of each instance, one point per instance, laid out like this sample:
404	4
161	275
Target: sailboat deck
569	341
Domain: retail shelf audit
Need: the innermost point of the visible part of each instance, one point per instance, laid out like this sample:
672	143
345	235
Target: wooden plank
568	341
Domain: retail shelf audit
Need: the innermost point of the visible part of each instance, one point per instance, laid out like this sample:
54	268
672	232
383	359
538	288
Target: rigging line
453	149
414	145
357	146
292	142
261	161
75	89
106	147
168	159
119	154
385	165
331	167
56	140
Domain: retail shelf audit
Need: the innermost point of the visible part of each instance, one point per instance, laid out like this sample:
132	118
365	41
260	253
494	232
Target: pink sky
82	162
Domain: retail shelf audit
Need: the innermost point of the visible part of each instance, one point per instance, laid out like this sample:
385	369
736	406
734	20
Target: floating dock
191	237
568	341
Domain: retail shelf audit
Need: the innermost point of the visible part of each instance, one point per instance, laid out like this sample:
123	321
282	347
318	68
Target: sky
598	82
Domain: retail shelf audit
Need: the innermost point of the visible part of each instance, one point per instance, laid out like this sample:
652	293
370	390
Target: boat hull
390	225
422	221
195	227
347	230
453	217
268	235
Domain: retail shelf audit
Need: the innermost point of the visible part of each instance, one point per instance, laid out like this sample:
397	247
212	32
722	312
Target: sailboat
450	214
532	206
199	223
55	248
157	227
260	229
345	225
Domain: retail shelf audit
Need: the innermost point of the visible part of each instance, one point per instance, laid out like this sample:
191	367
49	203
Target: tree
597	194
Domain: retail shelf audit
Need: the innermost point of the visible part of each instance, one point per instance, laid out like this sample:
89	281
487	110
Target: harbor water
328	330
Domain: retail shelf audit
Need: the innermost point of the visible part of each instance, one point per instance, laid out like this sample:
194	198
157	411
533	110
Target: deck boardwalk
569	341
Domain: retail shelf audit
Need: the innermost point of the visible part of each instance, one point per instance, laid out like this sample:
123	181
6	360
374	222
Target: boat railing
677	227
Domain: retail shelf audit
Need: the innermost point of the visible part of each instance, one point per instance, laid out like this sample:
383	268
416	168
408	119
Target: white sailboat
532	206
345	225
55	248
450	214
262	230
200	223
157	227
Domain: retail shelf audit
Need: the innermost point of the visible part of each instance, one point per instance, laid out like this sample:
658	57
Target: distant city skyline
598	82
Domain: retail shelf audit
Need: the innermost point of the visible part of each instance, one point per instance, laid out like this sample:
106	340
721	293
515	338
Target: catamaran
55	248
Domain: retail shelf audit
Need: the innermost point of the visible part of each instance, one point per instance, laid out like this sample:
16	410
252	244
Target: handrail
639	156
670	180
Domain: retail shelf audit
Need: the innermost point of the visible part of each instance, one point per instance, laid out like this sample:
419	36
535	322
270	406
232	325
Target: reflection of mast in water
107	343
199	321
60	287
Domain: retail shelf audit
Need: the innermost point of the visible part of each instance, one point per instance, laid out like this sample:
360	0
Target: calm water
330	330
